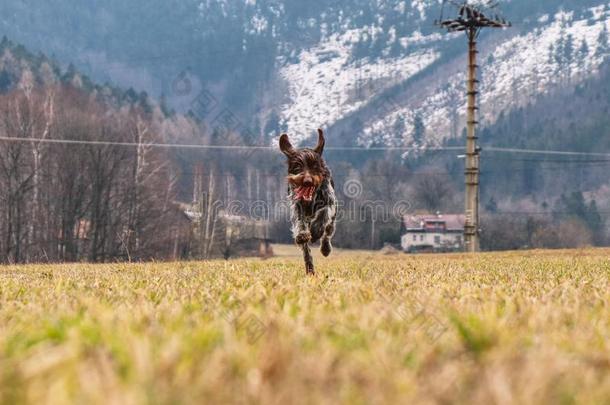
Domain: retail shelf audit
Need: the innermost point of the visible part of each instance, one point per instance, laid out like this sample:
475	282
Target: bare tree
434	193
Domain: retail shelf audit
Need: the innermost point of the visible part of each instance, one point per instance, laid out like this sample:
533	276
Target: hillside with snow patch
327	85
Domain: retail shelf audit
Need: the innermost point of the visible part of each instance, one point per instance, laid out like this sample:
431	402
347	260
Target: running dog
312	194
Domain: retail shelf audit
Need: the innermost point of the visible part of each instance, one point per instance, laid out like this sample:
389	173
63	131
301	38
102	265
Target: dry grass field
510	328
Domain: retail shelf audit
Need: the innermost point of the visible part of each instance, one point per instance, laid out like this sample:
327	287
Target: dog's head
306	168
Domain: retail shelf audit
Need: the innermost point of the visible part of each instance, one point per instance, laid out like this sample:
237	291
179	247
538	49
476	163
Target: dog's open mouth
304	193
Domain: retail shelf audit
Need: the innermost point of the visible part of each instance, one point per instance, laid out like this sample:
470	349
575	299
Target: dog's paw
303	238
326	248
310	270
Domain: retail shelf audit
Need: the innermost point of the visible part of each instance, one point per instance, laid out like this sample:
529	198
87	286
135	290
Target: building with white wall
432	233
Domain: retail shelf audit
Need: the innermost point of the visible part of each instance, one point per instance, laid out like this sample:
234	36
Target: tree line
71	202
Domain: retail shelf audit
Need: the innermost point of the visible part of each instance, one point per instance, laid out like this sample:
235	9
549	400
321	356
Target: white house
432	233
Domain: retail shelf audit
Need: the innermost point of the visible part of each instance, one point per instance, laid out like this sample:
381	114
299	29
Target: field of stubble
506	328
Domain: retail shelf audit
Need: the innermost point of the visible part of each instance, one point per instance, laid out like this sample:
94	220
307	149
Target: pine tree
552	61
559	56
568	55
272	127
5	43
595	222
399	129
591	19
396	49
361	49
419	129
602	44
377	46
491	206
582	56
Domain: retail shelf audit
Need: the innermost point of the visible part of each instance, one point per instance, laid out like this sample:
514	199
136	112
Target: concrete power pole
471	20
472	172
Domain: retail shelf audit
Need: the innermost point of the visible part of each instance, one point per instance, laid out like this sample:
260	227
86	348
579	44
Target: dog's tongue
304	193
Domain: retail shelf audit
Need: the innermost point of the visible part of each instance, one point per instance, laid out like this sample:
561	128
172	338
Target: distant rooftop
432	222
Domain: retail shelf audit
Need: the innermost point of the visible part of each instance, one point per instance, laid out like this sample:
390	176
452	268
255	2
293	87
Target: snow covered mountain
325	85
368	70
384	96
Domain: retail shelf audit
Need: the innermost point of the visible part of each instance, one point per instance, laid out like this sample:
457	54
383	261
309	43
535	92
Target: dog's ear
320	147
286	146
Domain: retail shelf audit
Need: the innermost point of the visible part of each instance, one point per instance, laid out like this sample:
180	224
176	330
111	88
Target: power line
328	148
545	152
128	144
553	161
360	175
539	213
220	147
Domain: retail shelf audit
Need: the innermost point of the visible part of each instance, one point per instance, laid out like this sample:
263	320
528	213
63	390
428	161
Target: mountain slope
515	70
364	68
568	120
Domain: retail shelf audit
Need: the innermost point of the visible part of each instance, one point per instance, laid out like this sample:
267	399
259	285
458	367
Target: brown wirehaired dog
311	191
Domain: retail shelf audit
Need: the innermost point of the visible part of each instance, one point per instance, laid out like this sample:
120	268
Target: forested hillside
576	120
551	201
365	68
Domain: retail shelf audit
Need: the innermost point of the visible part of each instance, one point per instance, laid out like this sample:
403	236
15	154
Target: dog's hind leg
328	220
325	246
309	269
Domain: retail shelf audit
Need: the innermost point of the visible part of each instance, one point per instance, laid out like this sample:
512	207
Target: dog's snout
308	180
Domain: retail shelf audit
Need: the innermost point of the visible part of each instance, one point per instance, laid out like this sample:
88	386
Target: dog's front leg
302	236
309	269
300	226
329	219
329	230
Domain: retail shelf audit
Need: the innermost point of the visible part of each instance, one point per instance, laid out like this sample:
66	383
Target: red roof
450	222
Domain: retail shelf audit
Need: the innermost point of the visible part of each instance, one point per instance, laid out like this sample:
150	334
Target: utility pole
471	20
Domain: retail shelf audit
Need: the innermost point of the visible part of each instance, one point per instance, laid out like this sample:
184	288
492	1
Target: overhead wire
329	148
